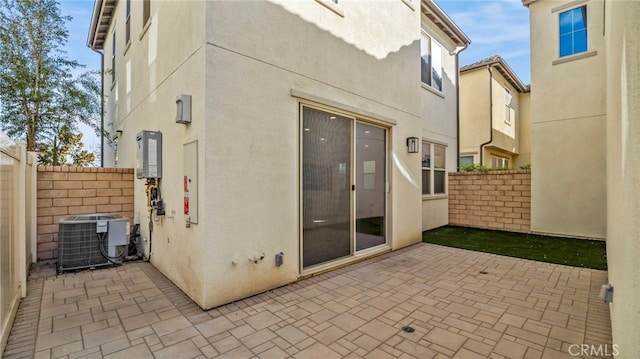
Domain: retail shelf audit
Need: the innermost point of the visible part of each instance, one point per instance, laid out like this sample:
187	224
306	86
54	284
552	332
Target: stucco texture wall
568	128
439	122
474	111
623	172
493	200
253	124
64	191
166	58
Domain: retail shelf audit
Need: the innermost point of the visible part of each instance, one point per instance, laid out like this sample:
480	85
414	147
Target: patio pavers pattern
462	304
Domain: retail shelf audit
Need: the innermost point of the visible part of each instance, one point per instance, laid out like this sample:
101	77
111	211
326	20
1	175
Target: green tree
64	149
38	94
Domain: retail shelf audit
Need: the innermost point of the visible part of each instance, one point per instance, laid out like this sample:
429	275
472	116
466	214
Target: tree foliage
38	94
65	149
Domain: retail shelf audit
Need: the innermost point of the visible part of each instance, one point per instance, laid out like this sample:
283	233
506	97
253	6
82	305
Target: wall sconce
413	144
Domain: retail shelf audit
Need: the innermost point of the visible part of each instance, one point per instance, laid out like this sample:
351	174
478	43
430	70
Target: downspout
101	106
490	116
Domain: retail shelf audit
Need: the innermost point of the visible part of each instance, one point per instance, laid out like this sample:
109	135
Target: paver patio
460	303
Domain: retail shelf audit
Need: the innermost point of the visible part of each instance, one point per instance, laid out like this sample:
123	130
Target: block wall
64	191
491	200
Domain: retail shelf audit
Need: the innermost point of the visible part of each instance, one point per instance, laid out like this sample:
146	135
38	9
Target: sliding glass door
343	186
370	186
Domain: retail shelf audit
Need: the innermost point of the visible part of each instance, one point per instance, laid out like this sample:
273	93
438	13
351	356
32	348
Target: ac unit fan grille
78	246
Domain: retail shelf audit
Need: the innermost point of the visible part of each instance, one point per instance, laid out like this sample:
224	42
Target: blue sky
496	27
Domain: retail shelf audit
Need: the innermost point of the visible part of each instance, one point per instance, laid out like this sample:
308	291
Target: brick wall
64	191
491	200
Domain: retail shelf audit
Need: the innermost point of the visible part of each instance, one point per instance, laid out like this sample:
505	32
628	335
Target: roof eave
100	21
511	76
505	70
434	13
526	3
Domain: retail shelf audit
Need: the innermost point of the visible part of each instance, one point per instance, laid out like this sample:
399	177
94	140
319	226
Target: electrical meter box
149	154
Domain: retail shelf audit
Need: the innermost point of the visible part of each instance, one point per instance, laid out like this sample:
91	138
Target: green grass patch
568	251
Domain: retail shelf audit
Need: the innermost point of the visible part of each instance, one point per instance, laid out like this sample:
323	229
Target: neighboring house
284	132
585	138
568	119
494	116
440	43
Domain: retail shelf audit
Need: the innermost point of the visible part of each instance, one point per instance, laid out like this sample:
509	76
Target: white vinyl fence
17	228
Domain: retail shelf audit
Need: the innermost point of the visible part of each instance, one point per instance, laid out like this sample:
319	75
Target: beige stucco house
568	120
585	138
494	116
440	41
285	132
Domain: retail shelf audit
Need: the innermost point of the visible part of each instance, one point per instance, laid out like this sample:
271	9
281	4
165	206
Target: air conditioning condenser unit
92	240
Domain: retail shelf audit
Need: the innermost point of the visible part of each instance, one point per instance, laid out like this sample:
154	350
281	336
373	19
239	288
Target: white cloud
495	27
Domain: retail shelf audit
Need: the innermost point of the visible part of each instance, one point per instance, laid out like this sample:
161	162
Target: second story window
431	62
573	31
507	106
127	30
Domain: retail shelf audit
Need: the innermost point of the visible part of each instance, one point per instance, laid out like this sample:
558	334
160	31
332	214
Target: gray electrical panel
149	154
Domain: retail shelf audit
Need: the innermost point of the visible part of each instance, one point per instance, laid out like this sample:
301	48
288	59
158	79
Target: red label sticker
186	205
186	184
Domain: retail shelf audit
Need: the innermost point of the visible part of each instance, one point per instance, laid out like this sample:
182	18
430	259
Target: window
507	103
127	32
433	169
573	31
431	62
499	162
113	58
466	161
146	11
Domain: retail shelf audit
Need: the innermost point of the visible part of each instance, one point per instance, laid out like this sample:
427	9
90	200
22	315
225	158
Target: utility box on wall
149	154
183	109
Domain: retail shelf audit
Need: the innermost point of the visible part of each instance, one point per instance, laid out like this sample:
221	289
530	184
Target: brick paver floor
460	304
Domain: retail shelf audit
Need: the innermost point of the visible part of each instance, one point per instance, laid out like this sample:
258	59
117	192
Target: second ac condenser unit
80	245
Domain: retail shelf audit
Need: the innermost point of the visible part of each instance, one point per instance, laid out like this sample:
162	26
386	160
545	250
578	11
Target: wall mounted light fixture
413	144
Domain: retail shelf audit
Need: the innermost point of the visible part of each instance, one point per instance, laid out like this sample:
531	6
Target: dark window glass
146	11
426	181
439	178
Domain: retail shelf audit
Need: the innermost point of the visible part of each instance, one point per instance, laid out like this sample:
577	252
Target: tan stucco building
494	116
585	137
440	39
568	125
285	131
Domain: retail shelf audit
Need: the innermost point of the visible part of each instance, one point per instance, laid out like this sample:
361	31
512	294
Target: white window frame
427	44
507	101
432	169
501	162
